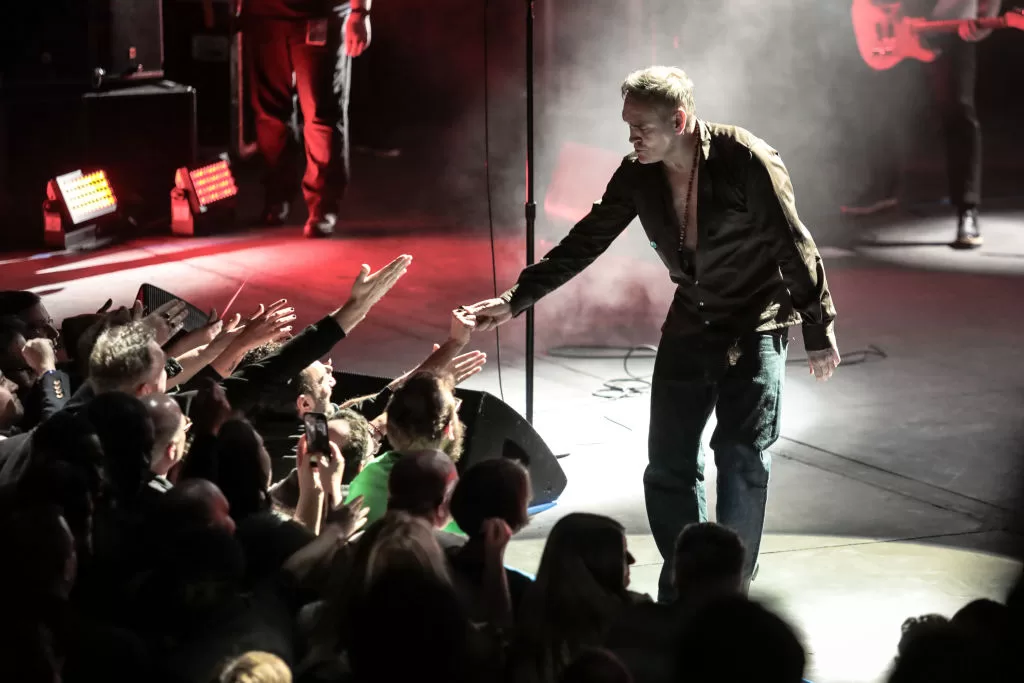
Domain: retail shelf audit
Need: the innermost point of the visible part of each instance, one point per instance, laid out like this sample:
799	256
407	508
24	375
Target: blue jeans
692	377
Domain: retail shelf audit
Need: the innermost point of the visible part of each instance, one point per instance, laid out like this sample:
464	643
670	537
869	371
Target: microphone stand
530	206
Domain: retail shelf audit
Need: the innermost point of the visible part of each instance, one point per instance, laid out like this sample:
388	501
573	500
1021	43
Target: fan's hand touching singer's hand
490	313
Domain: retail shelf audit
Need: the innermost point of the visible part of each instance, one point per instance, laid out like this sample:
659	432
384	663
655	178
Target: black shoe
320	227
275	213
968	233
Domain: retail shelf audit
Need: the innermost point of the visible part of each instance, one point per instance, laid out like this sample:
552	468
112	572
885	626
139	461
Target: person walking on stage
305	46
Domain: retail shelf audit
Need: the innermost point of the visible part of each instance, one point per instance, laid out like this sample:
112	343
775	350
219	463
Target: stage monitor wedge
493	430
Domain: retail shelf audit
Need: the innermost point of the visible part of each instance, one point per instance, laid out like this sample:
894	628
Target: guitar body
884	36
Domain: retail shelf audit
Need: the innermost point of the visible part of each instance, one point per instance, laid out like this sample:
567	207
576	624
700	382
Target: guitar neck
953	25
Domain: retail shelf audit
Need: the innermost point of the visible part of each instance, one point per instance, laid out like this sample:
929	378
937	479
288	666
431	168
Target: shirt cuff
819	337
516	299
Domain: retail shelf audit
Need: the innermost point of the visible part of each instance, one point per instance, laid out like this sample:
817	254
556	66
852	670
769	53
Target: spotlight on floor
80	210
203	198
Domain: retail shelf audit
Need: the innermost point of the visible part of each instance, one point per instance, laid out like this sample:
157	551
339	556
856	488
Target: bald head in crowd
169	428
421	484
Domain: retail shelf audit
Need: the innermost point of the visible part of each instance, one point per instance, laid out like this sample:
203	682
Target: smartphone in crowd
318	441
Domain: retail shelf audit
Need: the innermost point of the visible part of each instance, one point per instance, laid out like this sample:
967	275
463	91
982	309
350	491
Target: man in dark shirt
717	204
312	41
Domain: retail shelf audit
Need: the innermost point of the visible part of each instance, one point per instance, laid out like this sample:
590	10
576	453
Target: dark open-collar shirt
755	269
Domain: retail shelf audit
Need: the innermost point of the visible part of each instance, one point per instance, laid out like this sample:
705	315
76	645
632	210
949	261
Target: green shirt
372	484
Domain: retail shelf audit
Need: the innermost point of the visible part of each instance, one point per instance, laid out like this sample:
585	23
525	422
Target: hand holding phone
318	441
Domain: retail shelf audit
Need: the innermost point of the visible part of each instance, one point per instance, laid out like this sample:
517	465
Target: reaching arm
191	363
587	240
243	387
770	194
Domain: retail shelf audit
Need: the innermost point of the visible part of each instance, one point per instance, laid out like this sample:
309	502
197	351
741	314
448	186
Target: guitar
885	37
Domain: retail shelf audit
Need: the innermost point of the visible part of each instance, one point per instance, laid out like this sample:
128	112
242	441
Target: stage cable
637	385
487	181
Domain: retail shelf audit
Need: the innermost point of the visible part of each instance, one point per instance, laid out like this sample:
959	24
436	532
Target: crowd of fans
163	518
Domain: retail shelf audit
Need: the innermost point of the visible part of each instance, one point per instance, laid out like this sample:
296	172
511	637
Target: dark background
788	71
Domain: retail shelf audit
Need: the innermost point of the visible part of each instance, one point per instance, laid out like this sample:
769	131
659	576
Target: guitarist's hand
970	32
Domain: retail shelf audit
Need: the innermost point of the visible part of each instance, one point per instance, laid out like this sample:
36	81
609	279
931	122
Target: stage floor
893	485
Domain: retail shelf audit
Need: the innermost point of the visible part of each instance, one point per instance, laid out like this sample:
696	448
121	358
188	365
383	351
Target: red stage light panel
213	183
203	198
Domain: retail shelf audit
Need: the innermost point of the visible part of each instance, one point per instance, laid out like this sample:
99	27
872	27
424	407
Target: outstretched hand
166	320
462	325
369	288
267	324
490	313
201	336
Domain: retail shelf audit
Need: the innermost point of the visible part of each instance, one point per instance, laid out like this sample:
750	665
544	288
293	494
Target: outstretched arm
587	240
244	386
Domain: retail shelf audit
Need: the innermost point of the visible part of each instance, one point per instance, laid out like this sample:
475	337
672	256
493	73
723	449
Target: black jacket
755	269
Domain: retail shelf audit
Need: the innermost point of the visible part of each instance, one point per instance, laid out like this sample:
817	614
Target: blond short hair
665	86
256	667
122	357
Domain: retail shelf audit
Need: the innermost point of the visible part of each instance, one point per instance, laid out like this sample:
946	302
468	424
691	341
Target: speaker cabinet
138	135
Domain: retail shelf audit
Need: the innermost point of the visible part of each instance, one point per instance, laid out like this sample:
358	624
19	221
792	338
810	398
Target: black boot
968	233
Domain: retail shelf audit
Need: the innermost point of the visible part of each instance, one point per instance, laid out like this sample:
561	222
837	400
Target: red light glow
213	183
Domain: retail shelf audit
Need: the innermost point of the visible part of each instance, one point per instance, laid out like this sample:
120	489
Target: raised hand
465	366
166	320
40	355
198	337
461	367
268	323
462	325
229	330
368	289
490	313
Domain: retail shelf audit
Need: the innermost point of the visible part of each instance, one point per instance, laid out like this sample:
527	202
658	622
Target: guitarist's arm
986	9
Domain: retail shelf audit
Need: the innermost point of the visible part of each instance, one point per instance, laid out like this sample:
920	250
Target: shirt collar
705	140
